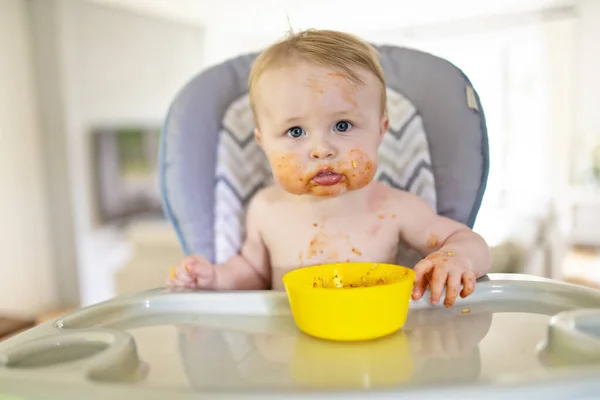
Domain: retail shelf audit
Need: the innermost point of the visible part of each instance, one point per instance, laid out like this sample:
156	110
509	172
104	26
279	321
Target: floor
582	266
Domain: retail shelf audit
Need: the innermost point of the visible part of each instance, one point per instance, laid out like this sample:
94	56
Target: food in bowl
367	280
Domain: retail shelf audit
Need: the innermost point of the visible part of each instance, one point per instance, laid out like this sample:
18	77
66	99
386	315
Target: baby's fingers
452	288
468	280
437	284
180	276
173	282
421	282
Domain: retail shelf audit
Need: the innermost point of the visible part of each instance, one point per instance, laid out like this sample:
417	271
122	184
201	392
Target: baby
319	104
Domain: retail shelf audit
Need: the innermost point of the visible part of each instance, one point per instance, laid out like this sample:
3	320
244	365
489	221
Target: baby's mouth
327	178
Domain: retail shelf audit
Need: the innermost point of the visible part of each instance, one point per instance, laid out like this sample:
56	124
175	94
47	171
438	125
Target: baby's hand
443	268
192	272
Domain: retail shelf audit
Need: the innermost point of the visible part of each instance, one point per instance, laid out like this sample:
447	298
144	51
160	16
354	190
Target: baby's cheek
288	172
362	170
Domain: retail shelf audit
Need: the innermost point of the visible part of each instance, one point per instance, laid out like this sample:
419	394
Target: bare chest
297	240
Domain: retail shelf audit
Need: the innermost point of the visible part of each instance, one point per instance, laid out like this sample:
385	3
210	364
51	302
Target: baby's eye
343	126
295	132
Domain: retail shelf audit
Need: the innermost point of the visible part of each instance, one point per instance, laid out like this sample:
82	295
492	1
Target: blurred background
86	84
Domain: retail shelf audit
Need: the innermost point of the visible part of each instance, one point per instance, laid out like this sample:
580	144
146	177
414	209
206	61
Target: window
515	73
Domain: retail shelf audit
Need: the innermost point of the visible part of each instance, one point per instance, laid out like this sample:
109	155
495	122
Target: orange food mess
333	256
318	244
432	243
296	178
338	282
356	251
347	88
315	85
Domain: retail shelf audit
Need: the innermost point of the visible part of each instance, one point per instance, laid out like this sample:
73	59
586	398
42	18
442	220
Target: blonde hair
337	50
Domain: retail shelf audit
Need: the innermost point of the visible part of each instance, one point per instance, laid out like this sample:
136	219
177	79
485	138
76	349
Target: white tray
500	342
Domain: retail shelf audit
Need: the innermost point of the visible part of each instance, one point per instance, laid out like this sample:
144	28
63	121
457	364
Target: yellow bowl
350	301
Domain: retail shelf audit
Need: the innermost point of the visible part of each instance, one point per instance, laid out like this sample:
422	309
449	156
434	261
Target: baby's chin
324	191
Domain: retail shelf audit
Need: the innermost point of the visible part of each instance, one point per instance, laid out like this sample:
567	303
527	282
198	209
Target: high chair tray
515	336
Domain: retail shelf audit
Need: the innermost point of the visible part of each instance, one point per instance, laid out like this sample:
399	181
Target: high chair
210	164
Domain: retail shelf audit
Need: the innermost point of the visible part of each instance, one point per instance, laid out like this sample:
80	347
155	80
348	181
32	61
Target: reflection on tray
431	346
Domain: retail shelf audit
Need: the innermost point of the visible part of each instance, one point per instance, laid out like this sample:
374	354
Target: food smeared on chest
318	244
328	247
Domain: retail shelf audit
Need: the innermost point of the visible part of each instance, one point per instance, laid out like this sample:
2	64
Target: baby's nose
322	151
322	154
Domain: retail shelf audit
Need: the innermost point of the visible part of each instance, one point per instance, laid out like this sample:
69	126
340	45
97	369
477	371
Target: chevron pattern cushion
242	168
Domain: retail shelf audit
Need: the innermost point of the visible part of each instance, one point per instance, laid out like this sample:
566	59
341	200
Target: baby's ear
257	136
384	125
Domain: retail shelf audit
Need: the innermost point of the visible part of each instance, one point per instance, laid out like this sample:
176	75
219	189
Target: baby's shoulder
264	198
399	200
390	194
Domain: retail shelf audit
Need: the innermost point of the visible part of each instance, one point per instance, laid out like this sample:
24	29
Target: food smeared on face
326	178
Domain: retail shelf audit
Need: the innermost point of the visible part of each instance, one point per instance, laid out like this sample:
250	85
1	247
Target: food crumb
337	281
450	253
380	216
465	310
355	251
432	243
315	284
315	225
353	163
172	273
393	215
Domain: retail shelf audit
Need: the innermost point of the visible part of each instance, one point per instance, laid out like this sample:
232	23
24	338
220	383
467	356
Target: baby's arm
249	270
454	254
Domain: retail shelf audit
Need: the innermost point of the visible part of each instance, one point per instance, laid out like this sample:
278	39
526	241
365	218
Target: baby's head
319	104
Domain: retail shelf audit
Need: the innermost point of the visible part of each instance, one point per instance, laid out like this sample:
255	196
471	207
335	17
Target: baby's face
319	130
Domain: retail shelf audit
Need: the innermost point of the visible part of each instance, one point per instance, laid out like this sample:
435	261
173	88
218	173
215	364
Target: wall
112	67
587	83
26	269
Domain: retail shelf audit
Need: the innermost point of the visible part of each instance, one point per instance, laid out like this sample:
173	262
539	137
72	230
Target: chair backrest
210	165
